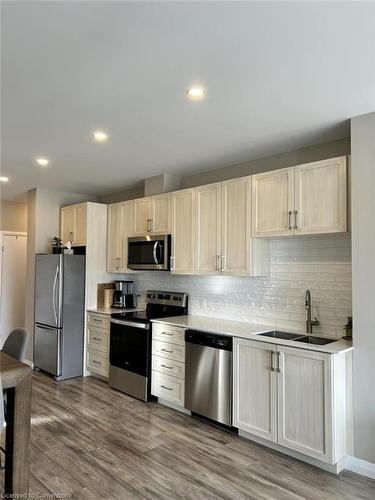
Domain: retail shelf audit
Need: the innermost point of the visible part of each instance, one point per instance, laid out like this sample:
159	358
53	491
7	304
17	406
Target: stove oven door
130	358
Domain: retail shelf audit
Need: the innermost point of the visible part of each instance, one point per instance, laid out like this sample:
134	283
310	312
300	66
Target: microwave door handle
156	244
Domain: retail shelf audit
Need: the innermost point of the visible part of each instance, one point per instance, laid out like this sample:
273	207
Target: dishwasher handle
213	340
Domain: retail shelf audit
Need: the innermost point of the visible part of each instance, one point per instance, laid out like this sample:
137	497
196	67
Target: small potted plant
348	328
56	244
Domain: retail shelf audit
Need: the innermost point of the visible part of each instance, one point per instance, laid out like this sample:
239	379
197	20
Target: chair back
15	344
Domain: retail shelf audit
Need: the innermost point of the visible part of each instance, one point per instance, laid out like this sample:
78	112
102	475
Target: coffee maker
123	297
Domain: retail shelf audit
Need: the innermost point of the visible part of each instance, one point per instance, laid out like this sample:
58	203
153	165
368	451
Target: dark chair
15	346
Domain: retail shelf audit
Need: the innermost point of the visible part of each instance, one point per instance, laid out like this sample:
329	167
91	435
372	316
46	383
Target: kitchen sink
310	339
281	335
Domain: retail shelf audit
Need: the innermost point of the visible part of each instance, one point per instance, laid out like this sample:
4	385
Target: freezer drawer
47	349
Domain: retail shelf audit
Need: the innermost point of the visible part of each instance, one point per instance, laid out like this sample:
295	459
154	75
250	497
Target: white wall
321	264
43	224
363	238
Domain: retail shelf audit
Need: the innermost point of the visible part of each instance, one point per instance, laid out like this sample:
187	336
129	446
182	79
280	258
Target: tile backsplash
321	264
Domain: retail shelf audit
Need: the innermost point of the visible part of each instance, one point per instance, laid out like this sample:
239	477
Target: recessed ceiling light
196	93
4	179
43	162
100	136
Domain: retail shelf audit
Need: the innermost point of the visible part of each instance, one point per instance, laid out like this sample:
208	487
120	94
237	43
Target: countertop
112	310
250	331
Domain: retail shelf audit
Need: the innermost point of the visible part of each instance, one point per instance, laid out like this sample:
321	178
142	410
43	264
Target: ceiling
279	76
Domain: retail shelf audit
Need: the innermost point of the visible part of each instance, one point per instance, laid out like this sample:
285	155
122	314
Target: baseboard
359	466
28	362
174	406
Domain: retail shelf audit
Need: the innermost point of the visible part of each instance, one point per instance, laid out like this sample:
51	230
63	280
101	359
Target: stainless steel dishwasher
208	377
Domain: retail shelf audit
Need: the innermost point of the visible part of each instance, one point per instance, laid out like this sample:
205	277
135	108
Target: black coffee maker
123	298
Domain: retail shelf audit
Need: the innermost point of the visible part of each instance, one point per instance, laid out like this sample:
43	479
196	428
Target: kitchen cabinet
208	207
236	227
255	405
183	232
273	203
290	396
321	197
152	215
304	402
305	199
168	364
74	224
97	344
120	228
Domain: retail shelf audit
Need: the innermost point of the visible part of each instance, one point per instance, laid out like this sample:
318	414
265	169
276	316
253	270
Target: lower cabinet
286	395
97	344
168	363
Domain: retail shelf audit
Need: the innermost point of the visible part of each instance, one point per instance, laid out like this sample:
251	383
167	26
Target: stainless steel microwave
149	252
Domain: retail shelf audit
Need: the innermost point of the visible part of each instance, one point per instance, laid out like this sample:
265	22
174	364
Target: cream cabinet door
236	227
161	214
67	224
142	216
304	402
254	388
120	228
80	225
321	197
183	232
209	256
273	203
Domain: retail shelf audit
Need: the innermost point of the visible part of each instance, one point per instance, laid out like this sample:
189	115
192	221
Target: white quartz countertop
112	310
250	331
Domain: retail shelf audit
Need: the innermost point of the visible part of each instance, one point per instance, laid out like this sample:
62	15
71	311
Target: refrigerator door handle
54	294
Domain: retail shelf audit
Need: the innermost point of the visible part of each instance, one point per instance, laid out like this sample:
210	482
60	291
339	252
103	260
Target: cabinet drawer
98	362
168	366
99	320
171	334
98	339
170	351
169	388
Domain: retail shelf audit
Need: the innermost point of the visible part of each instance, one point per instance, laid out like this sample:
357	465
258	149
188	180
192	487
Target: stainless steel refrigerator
59	314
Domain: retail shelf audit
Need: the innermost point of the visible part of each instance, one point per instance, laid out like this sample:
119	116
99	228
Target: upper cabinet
183	232
152	215
120	227
321	197
74	224
273	203
208	203
306	199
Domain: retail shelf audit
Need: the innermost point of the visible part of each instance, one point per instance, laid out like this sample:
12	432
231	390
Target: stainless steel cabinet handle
151	224
277	369
271	357
295	219
166	333
222	263
96	362
96	338
218	266
172	263
96	320
169	367
168	388
290	220
166	350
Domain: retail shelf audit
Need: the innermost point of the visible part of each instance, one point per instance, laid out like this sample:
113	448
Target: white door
304	402
161	214
13	282
236	205
183	232
273	203
114	238
142	216
254	388
209	256
321	197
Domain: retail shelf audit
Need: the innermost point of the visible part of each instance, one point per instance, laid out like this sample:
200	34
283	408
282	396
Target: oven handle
157	242
130	323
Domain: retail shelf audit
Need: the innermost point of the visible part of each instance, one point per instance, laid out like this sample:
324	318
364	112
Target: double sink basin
297	337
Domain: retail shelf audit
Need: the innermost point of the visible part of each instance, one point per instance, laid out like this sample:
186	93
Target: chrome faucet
309	322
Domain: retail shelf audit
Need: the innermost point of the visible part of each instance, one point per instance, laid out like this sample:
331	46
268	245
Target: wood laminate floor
89	442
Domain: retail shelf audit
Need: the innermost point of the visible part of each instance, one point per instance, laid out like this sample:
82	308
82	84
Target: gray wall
296	157
13	216
363	261
124	194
